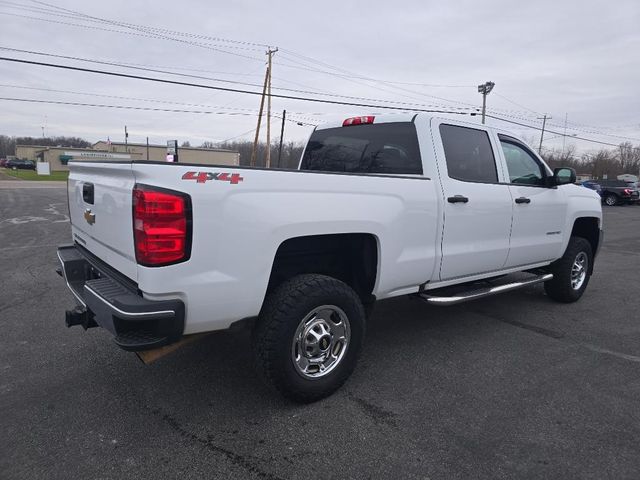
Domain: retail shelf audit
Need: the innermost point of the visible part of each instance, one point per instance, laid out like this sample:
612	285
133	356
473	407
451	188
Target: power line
170	102
91	27
360	77
595	132
353	78
550	131
349	76
132	107
164	30
238	136
517	104
234	82
589	128
398	105
157	36
124	65
162	33
123	107
226	89
287	97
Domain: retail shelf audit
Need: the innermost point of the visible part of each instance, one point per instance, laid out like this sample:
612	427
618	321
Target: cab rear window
390	148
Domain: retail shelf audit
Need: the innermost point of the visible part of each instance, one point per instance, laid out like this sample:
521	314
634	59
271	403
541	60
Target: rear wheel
572	272
611	199
308	336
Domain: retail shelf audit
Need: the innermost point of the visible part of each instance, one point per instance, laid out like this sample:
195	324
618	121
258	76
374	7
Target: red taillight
358	120
161	226
627	191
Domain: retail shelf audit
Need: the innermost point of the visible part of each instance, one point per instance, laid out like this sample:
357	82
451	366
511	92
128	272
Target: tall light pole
485	89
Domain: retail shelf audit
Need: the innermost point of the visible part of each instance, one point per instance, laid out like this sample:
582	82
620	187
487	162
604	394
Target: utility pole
485	89
269	69
284	116
254	150
147	148
544	122
266	88
126	139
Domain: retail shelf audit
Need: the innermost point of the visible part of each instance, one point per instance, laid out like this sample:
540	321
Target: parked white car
380	207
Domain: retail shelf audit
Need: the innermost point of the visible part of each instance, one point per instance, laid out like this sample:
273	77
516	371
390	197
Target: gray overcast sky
580	58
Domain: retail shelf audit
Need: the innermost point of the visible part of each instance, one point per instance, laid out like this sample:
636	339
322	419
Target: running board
483	292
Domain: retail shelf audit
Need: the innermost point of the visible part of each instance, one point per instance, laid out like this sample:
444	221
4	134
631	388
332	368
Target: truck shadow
218	369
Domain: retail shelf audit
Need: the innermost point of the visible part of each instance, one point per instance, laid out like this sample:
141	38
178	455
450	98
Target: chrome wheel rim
321	341
579	270
610	200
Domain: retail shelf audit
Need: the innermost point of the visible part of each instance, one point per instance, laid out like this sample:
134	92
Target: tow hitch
80	316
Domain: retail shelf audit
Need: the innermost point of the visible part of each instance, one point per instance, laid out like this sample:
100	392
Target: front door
477	206
539	211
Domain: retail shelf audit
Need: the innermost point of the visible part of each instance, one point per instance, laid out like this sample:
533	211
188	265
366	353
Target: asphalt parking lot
514	386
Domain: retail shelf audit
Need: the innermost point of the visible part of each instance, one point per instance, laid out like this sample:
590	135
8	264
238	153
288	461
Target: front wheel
611	200
572	272
308	336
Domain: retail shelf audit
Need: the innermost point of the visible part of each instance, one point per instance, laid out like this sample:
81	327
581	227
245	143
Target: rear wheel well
349	257
587	228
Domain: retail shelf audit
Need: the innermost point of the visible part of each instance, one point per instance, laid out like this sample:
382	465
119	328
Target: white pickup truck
381	206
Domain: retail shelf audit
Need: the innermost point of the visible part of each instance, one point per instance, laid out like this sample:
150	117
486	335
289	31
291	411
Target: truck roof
400	117
385	118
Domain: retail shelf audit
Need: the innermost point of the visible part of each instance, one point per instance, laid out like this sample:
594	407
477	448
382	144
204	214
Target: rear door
100	207
477	206
539	211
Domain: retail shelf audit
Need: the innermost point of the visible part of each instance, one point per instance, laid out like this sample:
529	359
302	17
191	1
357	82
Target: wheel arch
353	258
589	229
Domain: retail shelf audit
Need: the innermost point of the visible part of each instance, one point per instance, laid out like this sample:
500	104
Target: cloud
570	57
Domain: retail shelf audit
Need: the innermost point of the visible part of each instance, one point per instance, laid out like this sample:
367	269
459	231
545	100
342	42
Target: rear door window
468	154
390	148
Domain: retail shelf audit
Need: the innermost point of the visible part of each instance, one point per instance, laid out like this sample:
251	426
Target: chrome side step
482	292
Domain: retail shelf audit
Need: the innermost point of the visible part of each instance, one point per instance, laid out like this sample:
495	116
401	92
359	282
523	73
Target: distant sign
172	150
84	154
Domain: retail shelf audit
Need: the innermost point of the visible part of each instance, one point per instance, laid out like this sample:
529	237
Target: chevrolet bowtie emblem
89	217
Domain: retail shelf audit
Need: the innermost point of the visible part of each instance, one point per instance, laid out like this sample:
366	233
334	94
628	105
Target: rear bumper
112	301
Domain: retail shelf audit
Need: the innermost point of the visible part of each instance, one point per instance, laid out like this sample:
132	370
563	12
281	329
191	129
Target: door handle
457	199
87	193
523	200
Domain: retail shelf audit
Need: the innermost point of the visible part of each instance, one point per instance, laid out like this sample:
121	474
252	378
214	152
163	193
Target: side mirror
563	176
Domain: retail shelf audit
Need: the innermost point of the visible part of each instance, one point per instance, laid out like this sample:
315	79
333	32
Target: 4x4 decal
202	177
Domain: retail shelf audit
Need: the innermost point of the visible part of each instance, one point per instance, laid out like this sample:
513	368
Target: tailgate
100	208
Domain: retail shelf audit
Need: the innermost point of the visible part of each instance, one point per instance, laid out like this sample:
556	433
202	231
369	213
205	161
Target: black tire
611	199
561	288
281	316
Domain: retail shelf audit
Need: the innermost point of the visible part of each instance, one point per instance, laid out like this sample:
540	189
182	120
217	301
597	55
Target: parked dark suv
616	192
21	164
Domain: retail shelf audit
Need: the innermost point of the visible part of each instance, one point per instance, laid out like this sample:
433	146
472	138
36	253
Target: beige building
158	153
101	151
